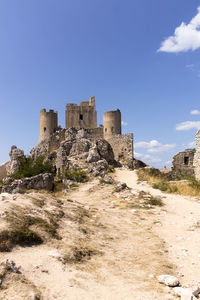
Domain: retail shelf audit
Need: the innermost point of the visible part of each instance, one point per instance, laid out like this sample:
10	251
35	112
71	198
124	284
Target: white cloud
195	112
147	158
191	66
186	37
188	125
124	123
154	146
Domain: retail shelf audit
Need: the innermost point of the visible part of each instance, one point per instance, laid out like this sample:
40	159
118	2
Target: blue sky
137	56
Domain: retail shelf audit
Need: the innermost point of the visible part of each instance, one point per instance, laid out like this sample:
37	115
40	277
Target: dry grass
80	253
27	229
161	181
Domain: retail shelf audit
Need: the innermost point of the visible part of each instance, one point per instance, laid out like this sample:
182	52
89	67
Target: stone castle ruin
187	163
183	164
84	117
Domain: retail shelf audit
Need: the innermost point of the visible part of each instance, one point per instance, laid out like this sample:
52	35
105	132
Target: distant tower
48	123
112	123
82	116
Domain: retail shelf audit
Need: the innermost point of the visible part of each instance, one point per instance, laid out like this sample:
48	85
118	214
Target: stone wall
122	145
95	133
82	116
197	157
182	164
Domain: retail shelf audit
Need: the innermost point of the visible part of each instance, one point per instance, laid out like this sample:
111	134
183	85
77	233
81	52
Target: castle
84	116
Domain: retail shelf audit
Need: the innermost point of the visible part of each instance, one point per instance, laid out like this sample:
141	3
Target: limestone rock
105	150
70	134
38	182
80	146
93	155
187	294
120	187
16	156
108	179
138	164
98	167
168	280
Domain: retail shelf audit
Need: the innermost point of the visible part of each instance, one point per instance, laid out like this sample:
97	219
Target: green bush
147	174
163	186
30	167
76	174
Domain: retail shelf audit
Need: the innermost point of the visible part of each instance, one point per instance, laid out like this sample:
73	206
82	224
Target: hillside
99	241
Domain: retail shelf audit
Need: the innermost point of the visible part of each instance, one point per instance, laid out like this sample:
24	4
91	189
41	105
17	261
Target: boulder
108	179
120	187
38	182
138	164
105	151
93	155
168	280
96	168
80	146
16	157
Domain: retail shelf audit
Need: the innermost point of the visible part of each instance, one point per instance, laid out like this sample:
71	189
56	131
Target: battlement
48	123
81	116
51	111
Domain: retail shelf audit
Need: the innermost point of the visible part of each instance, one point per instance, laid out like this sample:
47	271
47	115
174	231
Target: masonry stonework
183	164
197	157
48	124
84	116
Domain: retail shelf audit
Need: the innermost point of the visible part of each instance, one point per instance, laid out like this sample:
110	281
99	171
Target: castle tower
112	123
48	123
82	116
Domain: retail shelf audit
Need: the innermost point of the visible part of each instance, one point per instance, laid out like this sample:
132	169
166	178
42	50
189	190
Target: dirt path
130	254
178	224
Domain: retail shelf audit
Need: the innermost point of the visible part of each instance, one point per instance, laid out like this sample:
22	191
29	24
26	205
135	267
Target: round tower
112	123
48	123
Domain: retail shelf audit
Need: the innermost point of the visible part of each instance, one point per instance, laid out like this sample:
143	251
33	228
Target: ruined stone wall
95	133
49	145
112	123
182	164
48	124
83	116
122	146
197	157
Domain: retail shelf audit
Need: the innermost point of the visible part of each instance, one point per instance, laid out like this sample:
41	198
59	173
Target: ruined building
84	116
183	164
197	157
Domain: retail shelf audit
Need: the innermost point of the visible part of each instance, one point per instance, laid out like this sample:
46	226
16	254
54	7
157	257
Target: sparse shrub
194	184
22	236
80	254
111	169
20	233
152	174
76	174
30	167
163	186
155	201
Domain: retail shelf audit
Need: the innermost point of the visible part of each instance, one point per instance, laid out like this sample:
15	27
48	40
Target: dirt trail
132	254
178	224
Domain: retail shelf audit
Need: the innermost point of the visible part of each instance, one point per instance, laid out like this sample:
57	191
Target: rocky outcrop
39	182
16	157
3	171
138	164
105	150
